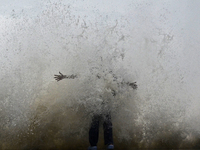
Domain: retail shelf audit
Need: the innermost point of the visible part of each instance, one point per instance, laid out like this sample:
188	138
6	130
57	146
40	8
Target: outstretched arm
61	76
132	84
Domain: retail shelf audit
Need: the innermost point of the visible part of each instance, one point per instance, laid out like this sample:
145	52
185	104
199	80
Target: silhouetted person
107	124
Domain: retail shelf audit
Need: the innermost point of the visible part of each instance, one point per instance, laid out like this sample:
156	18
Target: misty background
155	43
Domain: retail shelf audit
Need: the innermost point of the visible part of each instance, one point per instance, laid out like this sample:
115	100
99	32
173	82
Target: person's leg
108	134
94	131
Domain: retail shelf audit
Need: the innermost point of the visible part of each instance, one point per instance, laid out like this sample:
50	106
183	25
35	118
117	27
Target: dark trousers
94	130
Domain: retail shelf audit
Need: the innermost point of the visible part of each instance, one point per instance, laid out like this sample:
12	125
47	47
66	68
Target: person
107	123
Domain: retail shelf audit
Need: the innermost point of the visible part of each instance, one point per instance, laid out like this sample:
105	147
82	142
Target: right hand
59	77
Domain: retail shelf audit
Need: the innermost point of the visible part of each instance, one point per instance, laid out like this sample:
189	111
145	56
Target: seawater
152	43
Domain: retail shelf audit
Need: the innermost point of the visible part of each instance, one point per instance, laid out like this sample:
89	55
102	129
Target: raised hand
59	77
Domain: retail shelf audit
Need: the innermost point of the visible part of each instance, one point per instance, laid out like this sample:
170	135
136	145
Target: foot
92	148
110	146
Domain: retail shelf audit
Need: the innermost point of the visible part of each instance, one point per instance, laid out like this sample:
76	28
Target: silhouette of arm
61	76
133	85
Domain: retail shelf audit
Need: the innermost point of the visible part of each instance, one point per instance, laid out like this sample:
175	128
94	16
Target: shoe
92	148
110	147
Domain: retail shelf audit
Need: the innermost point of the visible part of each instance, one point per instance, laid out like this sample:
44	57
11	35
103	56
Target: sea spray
103	50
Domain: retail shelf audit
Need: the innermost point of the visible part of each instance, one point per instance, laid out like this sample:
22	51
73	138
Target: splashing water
104	46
